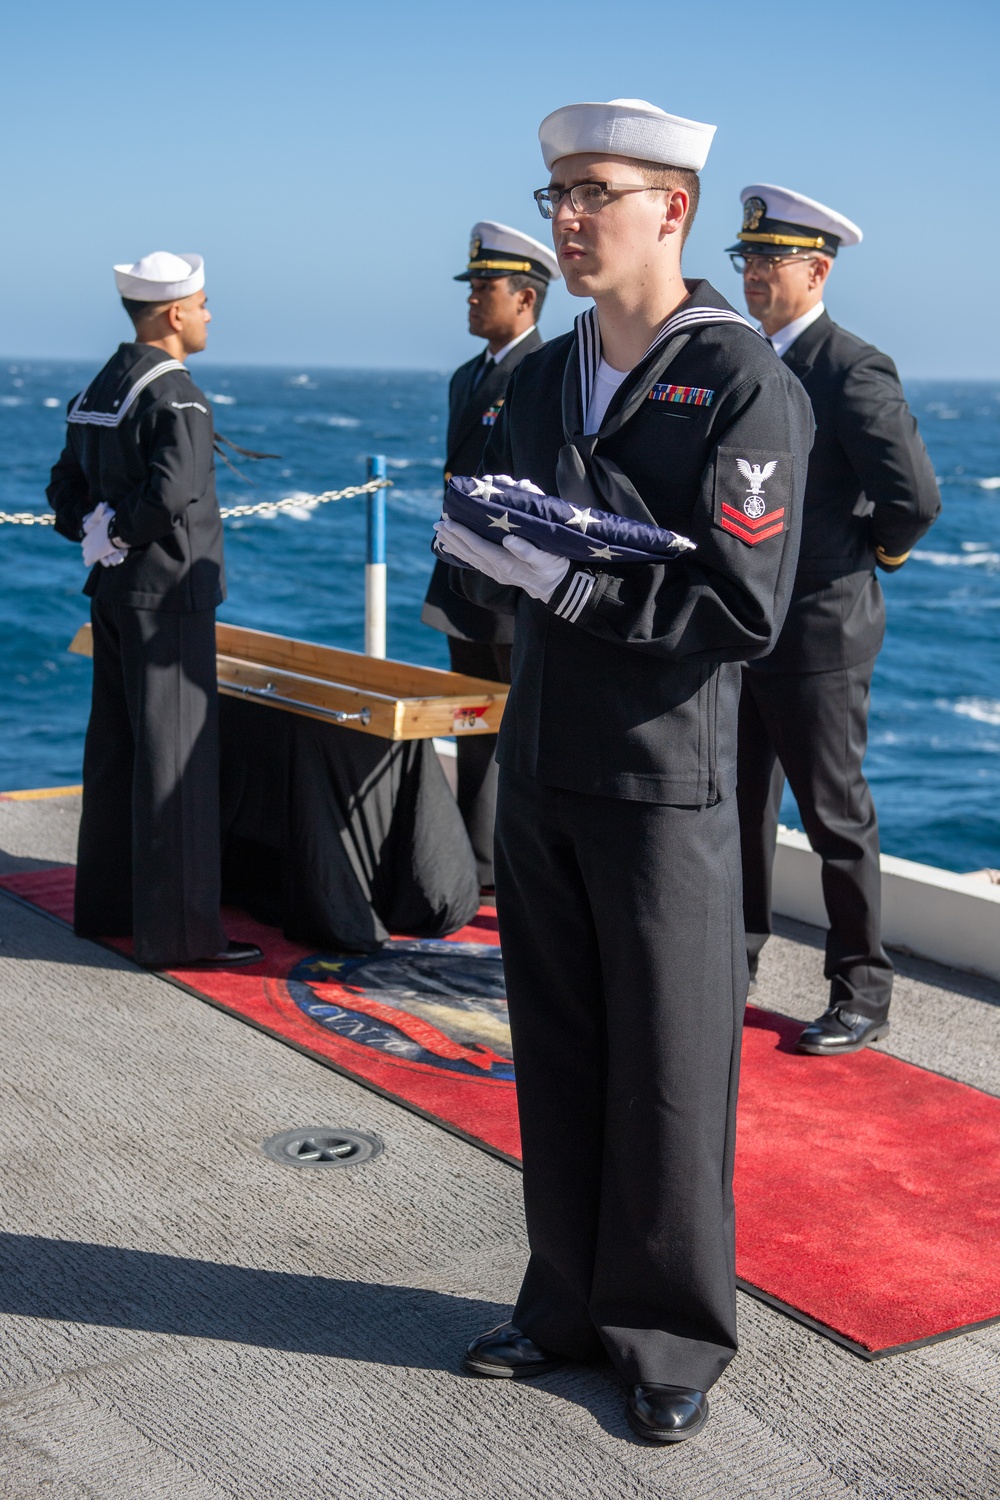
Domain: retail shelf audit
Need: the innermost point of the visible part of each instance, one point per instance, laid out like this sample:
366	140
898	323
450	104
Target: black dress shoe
507	1353
232	956
666	1413
838	1031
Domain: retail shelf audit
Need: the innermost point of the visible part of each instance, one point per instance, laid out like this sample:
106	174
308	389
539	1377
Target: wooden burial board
392	699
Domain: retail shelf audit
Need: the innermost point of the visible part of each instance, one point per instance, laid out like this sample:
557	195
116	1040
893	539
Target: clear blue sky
329	158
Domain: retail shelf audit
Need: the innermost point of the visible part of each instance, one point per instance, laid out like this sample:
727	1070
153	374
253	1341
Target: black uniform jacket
472	414
636	695
870	484
141	438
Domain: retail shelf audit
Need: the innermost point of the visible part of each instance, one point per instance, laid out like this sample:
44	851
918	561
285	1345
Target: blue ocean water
934	757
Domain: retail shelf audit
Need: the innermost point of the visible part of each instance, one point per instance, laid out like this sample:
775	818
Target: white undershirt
606	382
502	353
785	337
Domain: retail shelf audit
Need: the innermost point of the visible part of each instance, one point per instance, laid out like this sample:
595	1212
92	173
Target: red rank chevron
748	530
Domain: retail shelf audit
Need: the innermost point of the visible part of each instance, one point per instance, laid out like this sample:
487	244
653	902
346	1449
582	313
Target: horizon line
255	364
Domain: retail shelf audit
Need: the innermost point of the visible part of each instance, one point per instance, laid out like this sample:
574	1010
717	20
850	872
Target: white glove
511	484
91	519
516	562
97	545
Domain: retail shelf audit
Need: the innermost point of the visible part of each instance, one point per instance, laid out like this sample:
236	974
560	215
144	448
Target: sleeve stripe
569	598
574	602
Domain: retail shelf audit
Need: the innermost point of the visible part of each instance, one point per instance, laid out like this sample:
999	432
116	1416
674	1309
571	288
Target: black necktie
487	364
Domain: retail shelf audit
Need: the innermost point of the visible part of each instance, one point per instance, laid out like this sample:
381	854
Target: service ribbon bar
684	395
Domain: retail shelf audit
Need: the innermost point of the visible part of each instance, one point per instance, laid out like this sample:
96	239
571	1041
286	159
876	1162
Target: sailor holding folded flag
617	846
135	485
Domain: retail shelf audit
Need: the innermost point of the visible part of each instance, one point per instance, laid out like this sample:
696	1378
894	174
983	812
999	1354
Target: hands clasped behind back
97	545
516	562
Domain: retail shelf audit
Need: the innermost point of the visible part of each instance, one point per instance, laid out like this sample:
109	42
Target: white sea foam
11	400
983	710
221	400
302	382
52	401
320	420
993	483
958	559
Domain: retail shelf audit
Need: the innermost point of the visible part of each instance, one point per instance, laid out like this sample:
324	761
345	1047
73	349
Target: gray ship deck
221	1327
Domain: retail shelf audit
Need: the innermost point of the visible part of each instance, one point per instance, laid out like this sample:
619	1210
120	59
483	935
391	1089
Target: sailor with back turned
135	485
508	276
870	495
617	848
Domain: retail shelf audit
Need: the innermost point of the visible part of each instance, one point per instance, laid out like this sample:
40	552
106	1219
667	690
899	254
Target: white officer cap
161	277
497	250
778	221
625	127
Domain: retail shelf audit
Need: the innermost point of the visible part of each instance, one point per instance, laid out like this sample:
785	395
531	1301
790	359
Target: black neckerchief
584	477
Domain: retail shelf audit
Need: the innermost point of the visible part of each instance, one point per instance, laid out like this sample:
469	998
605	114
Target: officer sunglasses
586	197
767	264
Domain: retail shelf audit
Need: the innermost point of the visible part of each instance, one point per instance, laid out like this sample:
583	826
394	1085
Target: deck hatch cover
322	1146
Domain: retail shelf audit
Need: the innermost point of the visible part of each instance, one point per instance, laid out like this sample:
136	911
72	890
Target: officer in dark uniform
871	494
618	890
136	486
509	274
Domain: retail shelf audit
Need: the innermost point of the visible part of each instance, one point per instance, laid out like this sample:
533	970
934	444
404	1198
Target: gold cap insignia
754	210
475	245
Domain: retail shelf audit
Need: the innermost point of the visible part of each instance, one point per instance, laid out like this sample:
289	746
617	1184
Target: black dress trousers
626	980
149	850
476	756
813	728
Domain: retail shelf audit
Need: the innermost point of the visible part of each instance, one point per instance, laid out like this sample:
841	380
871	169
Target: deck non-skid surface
182	1318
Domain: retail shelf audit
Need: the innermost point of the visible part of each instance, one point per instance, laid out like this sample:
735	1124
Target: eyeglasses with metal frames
767	264
585	197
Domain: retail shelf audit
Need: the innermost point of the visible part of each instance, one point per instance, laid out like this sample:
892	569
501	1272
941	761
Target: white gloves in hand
516	562
97	546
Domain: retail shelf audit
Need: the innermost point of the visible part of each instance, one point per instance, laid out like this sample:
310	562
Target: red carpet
868	1190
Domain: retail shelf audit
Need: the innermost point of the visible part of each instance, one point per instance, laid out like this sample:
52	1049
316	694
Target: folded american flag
497	506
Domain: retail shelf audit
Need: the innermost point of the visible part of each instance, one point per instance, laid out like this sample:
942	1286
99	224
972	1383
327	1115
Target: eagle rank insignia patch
752	492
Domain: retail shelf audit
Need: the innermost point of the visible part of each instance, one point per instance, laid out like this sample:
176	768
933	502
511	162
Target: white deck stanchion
375	582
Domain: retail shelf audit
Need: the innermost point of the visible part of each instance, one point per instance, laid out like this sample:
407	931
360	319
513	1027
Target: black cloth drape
337	837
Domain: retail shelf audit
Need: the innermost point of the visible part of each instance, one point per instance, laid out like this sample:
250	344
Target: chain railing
262	508
25	518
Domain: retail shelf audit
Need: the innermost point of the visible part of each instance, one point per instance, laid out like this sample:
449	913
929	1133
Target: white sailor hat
777	221
625	127
497	250
161	277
